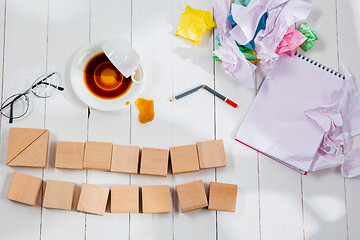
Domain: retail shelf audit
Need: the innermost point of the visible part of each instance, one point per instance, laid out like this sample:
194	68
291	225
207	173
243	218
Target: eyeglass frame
19	95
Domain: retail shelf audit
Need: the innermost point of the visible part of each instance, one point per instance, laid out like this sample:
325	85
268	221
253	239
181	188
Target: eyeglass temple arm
12	102
11	119
49	84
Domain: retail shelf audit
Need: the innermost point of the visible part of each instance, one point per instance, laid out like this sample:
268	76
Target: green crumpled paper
249	54
311	37
194	23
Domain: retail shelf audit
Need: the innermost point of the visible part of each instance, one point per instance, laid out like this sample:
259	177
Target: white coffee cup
77	66
124	57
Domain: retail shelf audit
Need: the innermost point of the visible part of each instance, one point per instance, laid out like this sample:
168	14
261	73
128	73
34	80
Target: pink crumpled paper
290	42
279	20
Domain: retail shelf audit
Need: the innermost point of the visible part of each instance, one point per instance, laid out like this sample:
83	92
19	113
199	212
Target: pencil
186	93
225	99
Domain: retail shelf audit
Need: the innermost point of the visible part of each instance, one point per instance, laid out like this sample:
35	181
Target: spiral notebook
287	119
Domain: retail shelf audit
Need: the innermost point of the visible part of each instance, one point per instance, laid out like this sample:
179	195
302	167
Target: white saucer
78	84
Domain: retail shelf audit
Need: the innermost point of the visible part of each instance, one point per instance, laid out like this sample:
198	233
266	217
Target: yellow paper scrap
193	24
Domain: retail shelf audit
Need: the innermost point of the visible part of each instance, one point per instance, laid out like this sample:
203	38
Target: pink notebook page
276	123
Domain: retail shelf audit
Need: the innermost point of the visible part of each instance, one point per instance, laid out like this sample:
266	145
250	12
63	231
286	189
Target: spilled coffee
103	79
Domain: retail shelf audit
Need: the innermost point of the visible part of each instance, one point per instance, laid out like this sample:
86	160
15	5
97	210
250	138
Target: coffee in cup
104	80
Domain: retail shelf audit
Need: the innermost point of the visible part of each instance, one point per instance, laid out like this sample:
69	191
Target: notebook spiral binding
319	65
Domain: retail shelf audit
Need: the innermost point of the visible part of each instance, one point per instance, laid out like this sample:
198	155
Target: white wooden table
274	202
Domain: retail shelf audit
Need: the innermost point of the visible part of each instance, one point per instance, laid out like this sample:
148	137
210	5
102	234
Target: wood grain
125	159
222	196
192	195
125	199
58	194
93	199
24	188
184	159
155	199
69	155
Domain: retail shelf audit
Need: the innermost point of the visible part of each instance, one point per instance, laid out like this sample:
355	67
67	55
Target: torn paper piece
248	18
290	42
330	121
249	54
279	19
261	26
339	122
233	60
194	23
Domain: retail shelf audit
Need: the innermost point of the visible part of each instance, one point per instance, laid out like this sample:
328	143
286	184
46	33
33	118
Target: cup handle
138	75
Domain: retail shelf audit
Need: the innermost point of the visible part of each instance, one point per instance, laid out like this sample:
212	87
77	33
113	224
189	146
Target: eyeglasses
17	105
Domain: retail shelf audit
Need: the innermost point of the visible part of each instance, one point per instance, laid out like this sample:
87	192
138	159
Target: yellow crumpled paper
193	24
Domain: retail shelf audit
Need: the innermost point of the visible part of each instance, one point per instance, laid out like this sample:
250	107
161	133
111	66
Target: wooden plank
324	190
193	117
66	116
152	39
25	53
349	48
280	202
109	19
242	162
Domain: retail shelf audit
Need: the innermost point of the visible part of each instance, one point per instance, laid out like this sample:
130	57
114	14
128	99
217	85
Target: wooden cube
154	161
28	147
59	194
69	155
98	155
125	159
24	188
211	154
184	159
93	199
124	199
191	196
222	196
156	199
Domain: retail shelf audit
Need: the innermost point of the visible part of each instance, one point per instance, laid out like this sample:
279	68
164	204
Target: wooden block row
93	199
125	159
124	198
28	147
222	196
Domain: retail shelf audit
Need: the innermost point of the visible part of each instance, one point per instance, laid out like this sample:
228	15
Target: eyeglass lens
46	85
15	106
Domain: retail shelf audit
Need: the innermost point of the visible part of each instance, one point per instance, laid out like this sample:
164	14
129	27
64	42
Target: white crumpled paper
233	61
282	14
247	18
279	19
340	122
